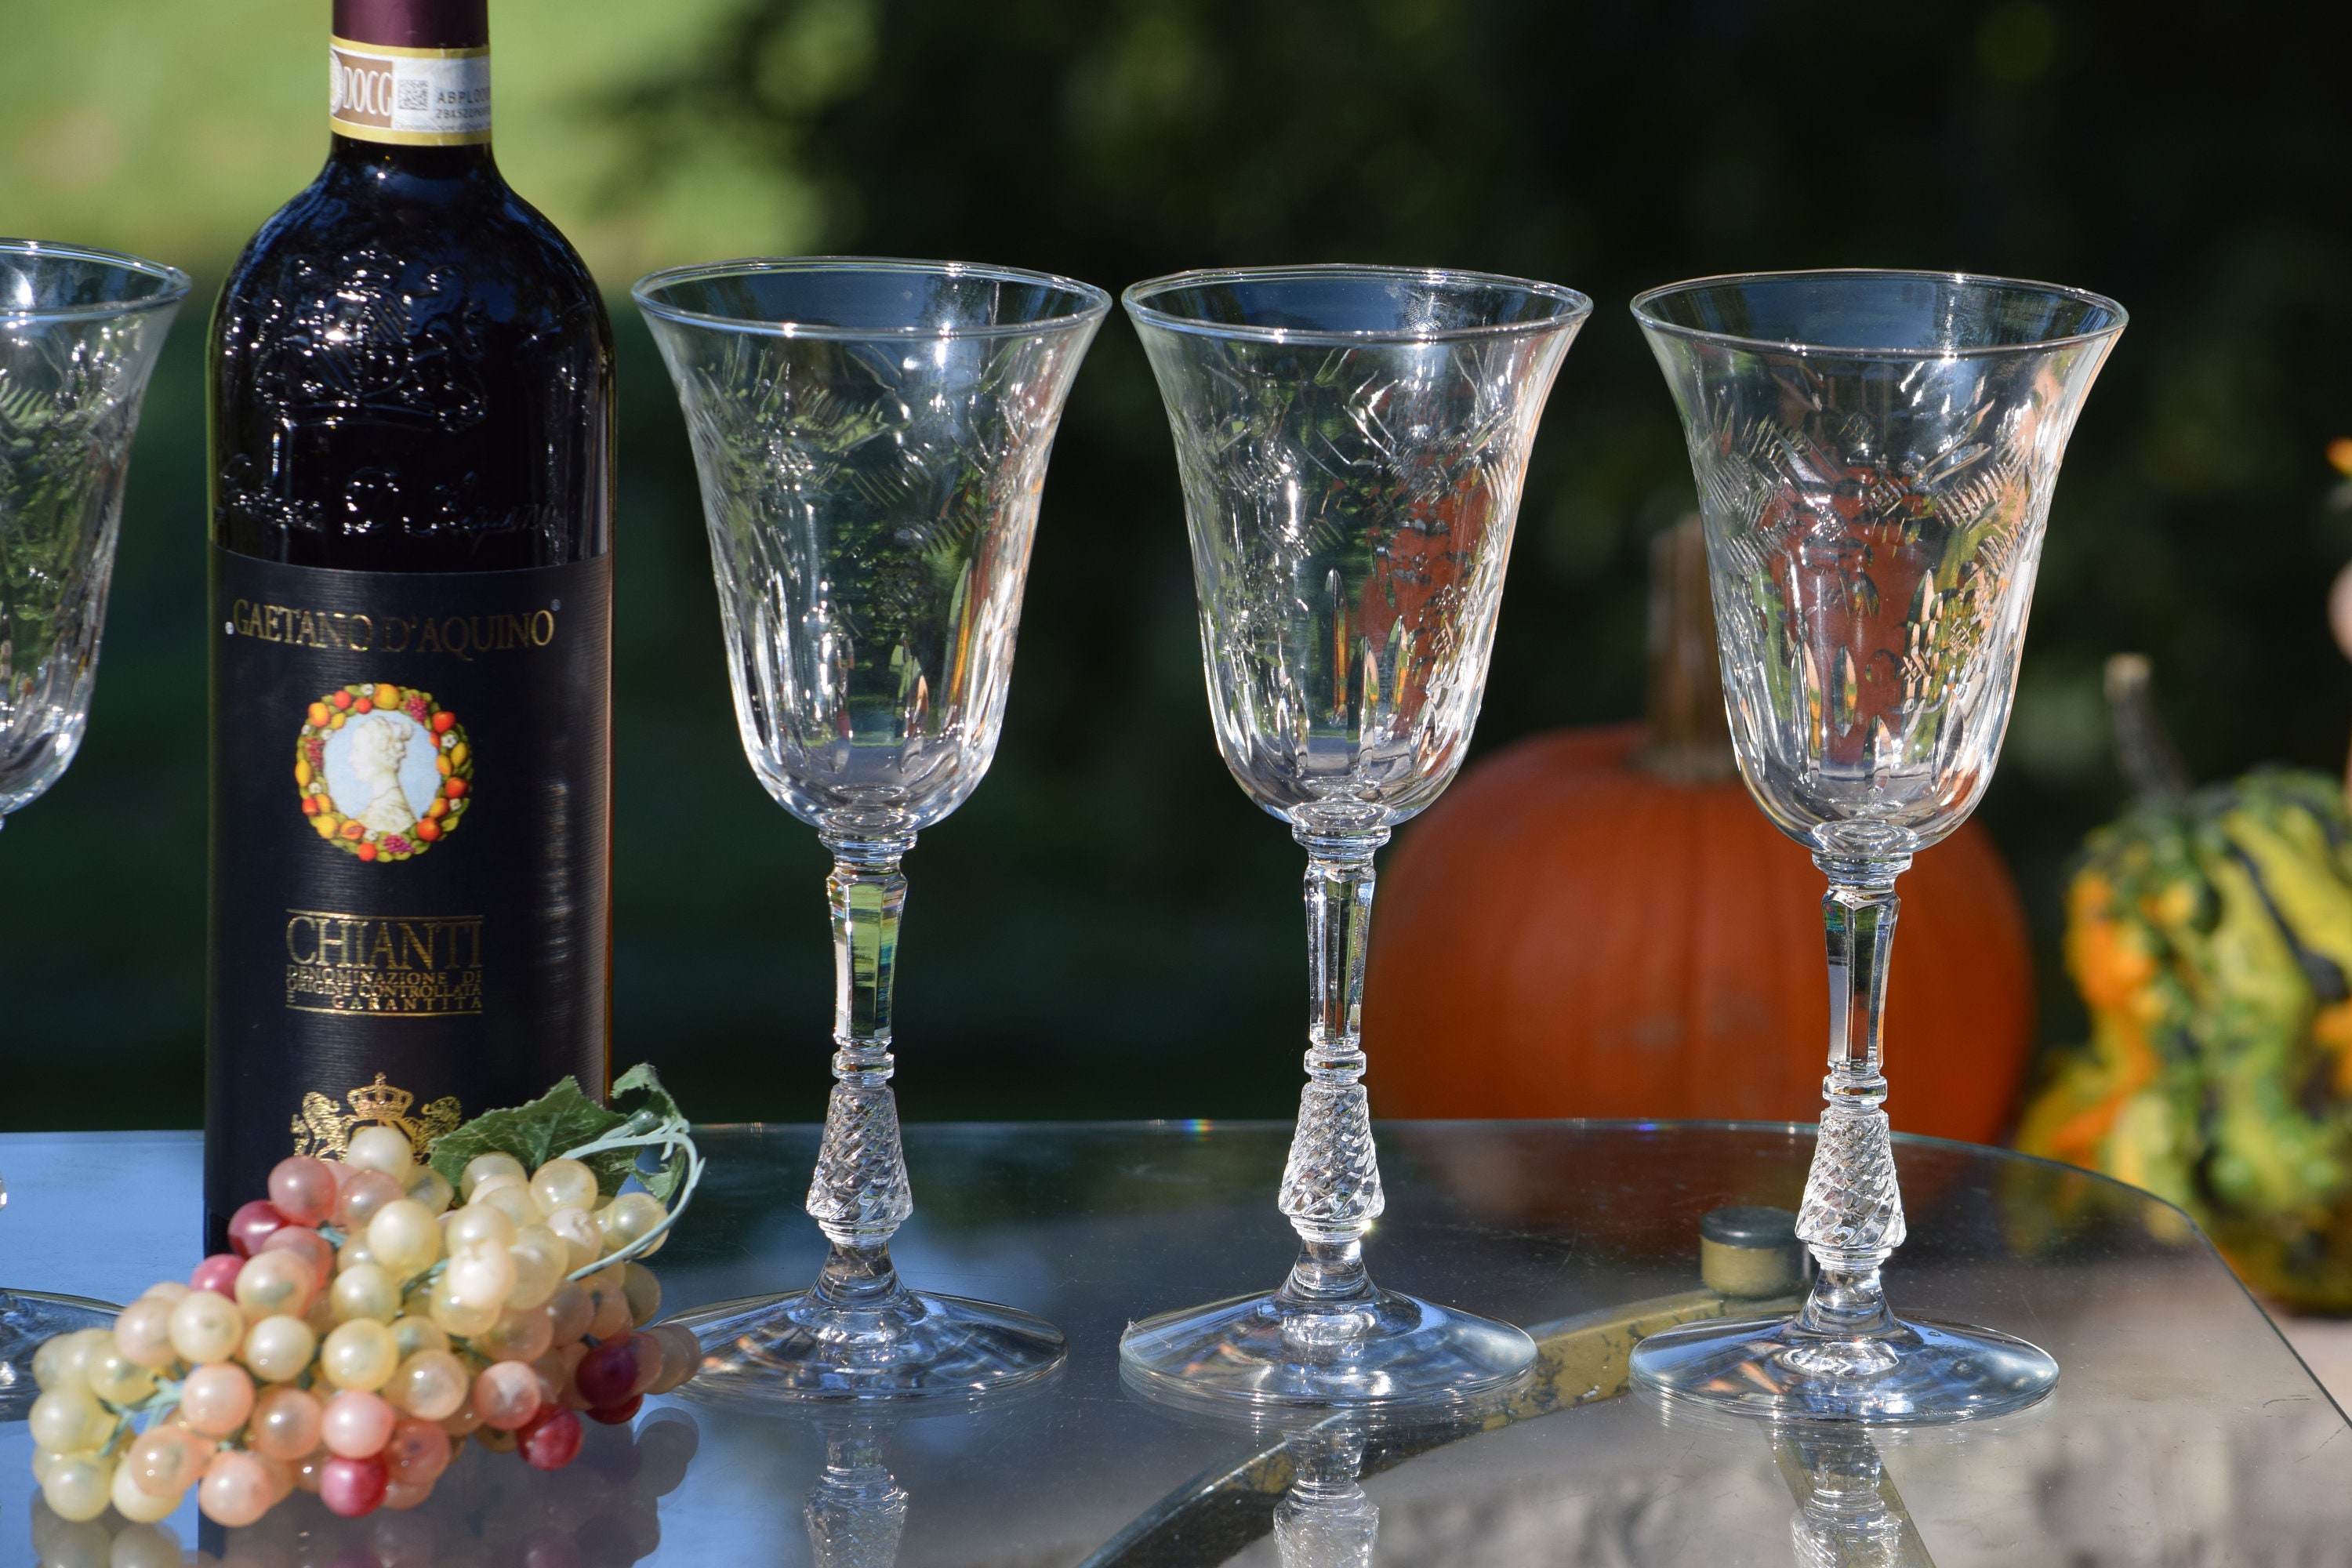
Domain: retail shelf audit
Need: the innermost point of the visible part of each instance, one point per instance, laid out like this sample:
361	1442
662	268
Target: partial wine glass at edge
79	333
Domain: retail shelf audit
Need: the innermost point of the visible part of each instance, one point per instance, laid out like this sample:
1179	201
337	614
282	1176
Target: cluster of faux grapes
359	1328
601	1511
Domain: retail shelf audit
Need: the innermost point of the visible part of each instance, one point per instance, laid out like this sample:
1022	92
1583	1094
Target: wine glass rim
1643	313
176	283
1137	297
646	290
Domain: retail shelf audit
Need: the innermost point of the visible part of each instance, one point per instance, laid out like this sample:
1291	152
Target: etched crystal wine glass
79	331
1351	441
1875	453
871	438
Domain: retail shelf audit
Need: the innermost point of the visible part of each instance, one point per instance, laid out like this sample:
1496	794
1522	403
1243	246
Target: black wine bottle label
410	773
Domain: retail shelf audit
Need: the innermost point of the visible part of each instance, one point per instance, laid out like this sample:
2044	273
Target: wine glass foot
911	1344
1270	1350
27	1318
1920	1373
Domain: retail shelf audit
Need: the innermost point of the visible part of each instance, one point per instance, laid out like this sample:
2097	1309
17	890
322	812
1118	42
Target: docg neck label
414	97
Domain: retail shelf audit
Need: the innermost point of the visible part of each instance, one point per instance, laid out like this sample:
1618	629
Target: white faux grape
279	1349
66	1419
431	1384
629	1218
563	1184
540	1261
485	1166
273	1282
137	1504
359	1354
78	1487
482	1274
517	1336
511	1199
476	1222
386	1149
405	1237
414	1331
206	1326
607	1288
461	1319
431	1188
368	1292
62	1360
353	1254
115	1377
571	1308
644	1292
581	1240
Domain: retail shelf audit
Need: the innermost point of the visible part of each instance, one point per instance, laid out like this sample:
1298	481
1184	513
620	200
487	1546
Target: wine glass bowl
871	438
79	333
1875	454
1352	443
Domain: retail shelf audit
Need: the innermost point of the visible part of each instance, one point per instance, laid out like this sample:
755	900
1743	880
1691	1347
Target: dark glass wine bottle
410	404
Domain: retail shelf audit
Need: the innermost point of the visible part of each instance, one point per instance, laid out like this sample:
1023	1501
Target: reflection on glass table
2142	1456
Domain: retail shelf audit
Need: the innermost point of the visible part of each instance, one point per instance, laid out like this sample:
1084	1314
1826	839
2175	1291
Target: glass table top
2183	1430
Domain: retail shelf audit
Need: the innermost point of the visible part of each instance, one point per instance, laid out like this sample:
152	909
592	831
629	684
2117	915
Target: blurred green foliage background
1109	928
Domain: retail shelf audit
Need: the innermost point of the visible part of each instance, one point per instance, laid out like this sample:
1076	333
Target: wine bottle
411	413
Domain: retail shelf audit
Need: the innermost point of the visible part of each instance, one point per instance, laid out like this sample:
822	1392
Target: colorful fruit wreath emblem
384	772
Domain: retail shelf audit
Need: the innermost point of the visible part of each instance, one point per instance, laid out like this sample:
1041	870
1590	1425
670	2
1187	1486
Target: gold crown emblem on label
326	1132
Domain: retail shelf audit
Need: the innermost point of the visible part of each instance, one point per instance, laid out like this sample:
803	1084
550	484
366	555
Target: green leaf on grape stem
534	1133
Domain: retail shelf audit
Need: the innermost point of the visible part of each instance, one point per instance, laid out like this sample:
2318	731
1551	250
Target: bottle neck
353	157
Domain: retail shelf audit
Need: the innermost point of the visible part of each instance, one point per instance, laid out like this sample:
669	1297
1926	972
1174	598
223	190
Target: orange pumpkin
1582	927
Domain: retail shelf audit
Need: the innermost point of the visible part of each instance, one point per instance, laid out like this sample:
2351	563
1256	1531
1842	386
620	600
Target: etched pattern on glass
1873	531
69	393
1852	1202
871	508
1349	532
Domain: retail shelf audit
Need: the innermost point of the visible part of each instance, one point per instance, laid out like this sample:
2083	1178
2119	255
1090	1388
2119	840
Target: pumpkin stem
1690	741
2144	750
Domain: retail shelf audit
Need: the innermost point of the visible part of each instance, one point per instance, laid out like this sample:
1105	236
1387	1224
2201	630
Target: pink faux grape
236	1489
286	1424
397	1495
311	1246
249	1226
618	1415
358	1423
507	1394
606	1373
365	1193
217	1398
352	1487
418	1452
144	1332
549	1547
551	1441
217	1274
303	1189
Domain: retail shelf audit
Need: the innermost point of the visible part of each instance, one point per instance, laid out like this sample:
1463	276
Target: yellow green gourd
2210	936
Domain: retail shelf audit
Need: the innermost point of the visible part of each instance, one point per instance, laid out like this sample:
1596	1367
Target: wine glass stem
1332	1185
860	1193
1853	1213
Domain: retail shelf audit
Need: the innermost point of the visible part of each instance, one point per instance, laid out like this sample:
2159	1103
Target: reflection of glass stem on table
1324	1519
856	1511
1849	1514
